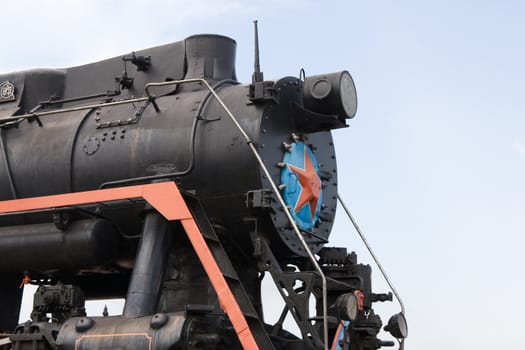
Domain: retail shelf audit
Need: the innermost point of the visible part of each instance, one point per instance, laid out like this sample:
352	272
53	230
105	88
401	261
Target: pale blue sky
432	166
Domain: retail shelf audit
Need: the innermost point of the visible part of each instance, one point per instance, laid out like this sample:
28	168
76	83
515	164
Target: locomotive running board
166	198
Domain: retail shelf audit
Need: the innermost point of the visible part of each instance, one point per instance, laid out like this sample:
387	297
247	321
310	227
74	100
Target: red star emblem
310	185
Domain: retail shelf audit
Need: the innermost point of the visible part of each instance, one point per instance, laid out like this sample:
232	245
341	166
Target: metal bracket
295	289
259	199
141	62
263	91
35	335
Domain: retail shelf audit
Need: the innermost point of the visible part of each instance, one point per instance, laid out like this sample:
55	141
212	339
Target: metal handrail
73	109
376	259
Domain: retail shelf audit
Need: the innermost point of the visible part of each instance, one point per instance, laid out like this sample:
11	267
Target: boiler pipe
146	279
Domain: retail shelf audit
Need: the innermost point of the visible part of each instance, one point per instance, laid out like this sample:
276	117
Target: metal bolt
286	146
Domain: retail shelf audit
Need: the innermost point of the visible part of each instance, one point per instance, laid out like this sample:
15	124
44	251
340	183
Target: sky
433	164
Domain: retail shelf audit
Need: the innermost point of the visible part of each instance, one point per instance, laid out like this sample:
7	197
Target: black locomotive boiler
256	168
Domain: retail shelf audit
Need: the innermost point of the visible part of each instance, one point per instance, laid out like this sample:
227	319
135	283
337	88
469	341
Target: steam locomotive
252	169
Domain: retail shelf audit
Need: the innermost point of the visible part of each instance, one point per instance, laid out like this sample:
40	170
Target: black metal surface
278	126
230	274
10	297
185	281
322	94
35	336
211	57
93	126
43	247
62	301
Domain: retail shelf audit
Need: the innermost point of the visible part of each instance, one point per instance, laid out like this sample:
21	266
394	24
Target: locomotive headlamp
397	326
332	93
347	307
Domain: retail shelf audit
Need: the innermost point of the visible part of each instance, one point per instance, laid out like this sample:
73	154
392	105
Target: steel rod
72	109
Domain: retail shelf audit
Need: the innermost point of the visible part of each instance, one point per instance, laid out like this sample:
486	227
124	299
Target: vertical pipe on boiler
150	263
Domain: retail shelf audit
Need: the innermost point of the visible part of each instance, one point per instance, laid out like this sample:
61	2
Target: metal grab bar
376	260
72	109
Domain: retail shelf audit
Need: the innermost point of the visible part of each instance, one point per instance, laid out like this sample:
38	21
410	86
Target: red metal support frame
166	198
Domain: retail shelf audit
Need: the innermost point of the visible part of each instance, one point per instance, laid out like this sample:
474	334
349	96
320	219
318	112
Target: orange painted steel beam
166	198
163	196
